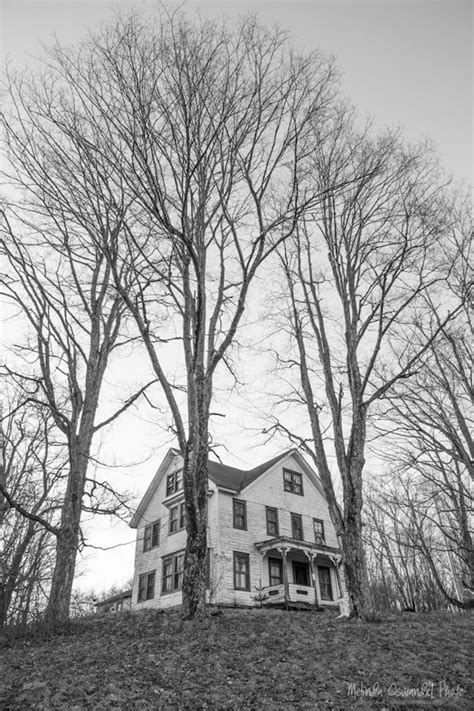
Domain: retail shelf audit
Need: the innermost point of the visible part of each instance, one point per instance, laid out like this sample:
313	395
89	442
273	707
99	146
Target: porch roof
294	544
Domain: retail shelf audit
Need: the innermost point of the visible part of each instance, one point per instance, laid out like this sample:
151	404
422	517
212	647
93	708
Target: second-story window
293	481
174	482
318	530
240	514
177	518
272	521
151	537
297	526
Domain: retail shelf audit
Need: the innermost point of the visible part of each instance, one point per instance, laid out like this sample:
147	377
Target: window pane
173	519
141	588
150	587
178	574
167	574
297	484
147	539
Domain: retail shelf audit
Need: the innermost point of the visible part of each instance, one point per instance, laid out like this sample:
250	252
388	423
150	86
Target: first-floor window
151	538
275	571
241	571
146	586
325	583
173	566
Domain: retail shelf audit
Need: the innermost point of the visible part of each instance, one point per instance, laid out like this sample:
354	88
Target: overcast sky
407	63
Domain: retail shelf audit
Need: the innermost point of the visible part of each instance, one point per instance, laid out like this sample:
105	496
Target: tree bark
195	476
67	539
353	558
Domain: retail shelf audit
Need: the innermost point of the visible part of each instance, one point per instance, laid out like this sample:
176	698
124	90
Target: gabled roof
223	476
232	478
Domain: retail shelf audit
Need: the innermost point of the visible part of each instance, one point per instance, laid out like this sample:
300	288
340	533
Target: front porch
299	573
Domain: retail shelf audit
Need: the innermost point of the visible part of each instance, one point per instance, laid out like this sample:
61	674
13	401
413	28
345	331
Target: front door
300	573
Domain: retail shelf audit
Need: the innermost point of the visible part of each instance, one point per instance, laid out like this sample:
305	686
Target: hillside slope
252	659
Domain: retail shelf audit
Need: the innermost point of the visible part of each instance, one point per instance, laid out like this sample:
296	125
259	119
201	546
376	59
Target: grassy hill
241	659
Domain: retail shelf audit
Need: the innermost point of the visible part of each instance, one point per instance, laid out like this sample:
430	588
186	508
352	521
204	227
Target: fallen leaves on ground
242	659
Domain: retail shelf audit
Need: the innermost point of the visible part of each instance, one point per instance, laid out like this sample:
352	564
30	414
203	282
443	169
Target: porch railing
296	593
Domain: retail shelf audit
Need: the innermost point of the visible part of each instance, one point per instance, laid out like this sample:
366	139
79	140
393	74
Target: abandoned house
270	537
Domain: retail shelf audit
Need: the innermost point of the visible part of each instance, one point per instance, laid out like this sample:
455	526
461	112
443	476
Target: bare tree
358	272
433	417
59	206
31	474
400	576
208	127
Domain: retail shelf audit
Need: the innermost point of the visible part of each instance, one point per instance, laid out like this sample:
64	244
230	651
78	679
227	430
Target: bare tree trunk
353	555
63	576
195	569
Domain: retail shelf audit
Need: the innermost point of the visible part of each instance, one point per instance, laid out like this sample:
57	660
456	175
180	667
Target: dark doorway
300	573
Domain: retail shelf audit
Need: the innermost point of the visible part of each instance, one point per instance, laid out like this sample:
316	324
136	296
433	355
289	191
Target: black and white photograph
236	381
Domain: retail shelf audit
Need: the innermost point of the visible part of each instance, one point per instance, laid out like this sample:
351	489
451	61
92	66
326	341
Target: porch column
314	572
344	604
285	576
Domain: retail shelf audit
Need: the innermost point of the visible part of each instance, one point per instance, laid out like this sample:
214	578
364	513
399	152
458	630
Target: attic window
293	482
174	482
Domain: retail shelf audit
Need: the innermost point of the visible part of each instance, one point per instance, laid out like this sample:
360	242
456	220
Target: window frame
151	533
243	515
324	583
319	534
146	590
179	519
268	510
293	484
245	557
174	482
175	576
279	562
297	517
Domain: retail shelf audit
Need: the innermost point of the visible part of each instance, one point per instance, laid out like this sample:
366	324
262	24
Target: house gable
290	460
169	459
